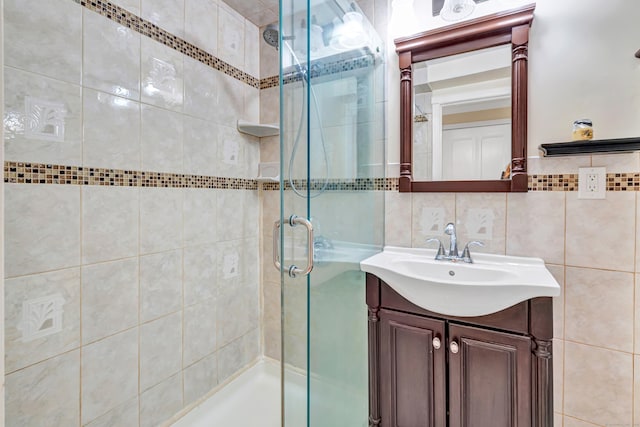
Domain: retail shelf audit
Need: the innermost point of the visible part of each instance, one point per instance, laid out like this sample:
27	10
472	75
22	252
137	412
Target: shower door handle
293	270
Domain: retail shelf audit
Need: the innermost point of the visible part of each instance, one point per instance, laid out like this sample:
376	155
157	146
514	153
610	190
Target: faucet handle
440	253
466	254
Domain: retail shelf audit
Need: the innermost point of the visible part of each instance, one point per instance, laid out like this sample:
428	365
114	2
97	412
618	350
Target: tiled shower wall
131	216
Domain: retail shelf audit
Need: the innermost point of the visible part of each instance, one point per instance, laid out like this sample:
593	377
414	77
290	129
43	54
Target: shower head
270	35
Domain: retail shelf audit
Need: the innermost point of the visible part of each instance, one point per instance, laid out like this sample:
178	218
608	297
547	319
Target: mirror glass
462	116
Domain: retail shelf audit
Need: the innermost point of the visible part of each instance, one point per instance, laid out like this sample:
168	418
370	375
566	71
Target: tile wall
2	390
132	283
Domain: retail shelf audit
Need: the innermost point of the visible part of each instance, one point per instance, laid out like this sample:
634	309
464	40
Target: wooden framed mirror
425	54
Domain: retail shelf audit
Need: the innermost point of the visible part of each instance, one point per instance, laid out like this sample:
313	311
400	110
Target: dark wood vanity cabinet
427	369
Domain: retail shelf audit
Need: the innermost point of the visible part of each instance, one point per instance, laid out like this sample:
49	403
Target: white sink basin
492	283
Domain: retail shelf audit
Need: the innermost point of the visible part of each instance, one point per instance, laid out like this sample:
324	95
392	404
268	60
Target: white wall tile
199	331
111	131
160	284
111	59
22	310
27	404
27	95
58	53
230	101
200	216
166	14
109	298
201	89
231	36
160	350
200	147
132	6
161	226
35	242
162	75
109	374
161	140
200	273
430	214
200	378
201	24
238	312
115	209
252	38
161	402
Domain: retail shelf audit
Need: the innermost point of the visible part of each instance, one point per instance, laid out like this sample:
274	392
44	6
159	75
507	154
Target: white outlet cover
600	183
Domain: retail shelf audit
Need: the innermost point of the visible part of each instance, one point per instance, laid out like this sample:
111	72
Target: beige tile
269	104
109	223
161	219
201	24
28	339
160	350
252	38
637	316
59	54
599	308
111	56
557	420
200	331
536	224
132	6
616	163
558	375
123	415
109	298
160	284
636	389
200	147
238	312
574	422
162	75
557	272
595	240
161	140
201	87
166	14
37	242
31	140
270	149
161	402
238	354
598	385
430	214
104	387
230	102
200	215
397	223
269	58
111	131
481	217
46	394
200	273
231	36
200	378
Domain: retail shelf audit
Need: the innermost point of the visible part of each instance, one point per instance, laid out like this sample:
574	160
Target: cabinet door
489	378
412	371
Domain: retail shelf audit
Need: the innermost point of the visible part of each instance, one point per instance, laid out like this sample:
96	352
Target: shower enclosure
332	174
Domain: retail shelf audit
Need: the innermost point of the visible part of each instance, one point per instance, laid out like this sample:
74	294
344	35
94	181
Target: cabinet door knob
436	343
454	347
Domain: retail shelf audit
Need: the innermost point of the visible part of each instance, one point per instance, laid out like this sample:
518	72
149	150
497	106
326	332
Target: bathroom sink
492	283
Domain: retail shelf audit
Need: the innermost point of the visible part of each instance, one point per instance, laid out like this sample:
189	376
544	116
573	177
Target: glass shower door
332	156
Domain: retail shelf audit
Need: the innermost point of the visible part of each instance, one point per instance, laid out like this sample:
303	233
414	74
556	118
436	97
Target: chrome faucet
453	254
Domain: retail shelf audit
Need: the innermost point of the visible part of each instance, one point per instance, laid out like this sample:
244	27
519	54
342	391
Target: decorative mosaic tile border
146	28
324	69
37	173
269	82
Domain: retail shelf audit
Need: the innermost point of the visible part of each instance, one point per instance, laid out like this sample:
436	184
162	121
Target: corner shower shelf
268	172
257	129
600	146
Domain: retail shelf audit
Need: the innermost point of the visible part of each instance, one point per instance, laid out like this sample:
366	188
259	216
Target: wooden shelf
597	146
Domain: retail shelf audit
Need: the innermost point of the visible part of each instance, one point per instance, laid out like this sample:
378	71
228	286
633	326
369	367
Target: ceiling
260	12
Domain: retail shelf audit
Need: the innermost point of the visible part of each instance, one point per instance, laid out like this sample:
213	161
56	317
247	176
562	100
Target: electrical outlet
592	183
